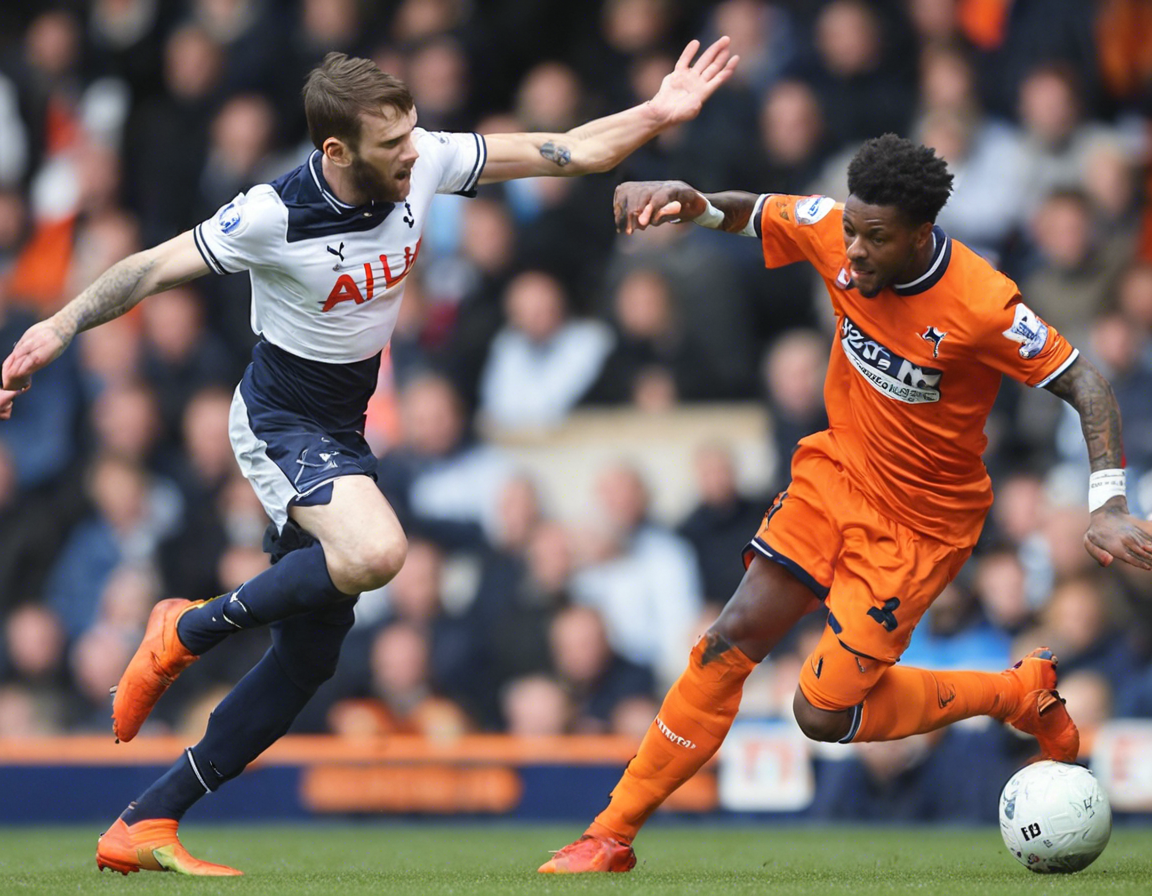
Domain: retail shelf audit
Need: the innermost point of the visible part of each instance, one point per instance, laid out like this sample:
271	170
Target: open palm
685	89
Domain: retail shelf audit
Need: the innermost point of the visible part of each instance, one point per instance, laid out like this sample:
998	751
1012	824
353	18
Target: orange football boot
1040	709
591	853
152	845
159	659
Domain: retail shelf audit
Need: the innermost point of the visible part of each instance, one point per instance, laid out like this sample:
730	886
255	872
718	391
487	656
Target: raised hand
685	89
637	205
40	345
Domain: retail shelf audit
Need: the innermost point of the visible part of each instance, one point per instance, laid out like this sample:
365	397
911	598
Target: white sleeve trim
206	252
752	228
1059	370
481	161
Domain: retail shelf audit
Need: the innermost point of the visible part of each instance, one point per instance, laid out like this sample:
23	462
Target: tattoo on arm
736	206
113	293
1084	387
560	155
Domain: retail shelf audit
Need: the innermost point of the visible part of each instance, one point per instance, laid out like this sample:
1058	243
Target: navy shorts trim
761	547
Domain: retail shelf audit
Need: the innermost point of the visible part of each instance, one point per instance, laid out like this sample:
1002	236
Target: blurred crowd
123	122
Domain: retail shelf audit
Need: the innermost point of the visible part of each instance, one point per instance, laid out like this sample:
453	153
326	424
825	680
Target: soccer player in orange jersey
886	504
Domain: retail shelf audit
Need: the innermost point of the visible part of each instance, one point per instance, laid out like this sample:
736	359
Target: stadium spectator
541	345
34	657
718	526
1134	299
131	514
180	357
793	377
986	206
238	152
657	360
1057	141
22	715
535	706
1078	269
441	479
523	580
596	679
862	89
1115	345
1000	586
1079	623
96	660
646	583
793	141
1089	695
406	701
955	634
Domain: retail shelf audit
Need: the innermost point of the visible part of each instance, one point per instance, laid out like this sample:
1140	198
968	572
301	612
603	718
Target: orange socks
694	719
911	701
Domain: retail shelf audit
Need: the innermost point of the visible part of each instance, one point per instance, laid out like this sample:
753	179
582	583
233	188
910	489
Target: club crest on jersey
1029	330
935	337
228	218
811	209
886	371
844	278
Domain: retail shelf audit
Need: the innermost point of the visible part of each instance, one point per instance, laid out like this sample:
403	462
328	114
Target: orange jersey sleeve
802	228
1016	341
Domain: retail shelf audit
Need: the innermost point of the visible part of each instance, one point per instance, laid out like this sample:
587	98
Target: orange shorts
876	576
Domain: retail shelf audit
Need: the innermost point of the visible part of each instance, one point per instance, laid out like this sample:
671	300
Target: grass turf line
474	859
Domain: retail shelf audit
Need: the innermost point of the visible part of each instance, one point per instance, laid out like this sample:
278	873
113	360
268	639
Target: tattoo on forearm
113	293
560	155
1084	387
736	206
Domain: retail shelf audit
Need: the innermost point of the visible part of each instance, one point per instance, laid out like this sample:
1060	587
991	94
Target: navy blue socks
255	714
298	583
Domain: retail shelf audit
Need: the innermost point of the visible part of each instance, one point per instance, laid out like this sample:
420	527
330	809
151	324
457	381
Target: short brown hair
340	89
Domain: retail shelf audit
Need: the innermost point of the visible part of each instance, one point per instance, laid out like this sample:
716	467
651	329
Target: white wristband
1105	484
711	217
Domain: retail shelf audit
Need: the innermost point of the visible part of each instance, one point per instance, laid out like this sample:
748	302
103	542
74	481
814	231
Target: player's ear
337	151
923	233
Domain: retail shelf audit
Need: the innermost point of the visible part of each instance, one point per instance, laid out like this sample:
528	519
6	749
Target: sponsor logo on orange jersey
886	371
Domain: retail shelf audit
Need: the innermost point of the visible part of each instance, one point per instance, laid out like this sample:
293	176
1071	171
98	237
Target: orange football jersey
914	371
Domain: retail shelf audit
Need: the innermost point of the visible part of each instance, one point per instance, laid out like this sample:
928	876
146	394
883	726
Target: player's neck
920	264
339	181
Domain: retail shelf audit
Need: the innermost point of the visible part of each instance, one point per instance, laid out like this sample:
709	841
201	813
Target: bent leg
699	708
363	542
361	546
845	696
255	714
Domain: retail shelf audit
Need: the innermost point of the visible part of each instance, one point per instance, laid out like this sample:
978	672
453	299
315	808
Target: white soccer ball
1055	817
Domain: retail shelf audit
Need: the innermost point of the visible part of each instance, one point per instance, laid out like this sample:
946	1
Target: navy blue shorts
289	456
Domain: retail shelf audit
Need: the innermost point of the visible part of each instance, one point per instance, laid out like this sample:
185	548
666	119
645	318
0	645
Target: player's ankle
596	829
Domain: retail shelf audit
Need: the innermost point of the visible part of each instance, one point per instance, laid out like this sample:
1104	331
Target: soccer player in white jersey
328	247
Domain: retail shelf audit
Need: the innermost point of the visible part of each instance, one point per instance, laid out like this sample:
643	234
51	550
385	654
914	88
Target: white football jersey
327	277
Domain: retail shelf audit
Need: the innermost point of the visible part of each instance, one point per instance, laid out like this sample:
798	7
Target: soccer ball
1055	817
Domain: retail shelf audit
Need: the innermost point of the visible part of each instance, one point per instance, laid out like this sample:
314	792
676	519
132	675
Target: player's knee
744	628
819	724
380	562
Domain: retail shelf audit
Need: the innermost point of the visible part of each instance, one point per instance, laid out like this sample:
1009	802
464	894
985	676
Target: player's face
382	164
882	247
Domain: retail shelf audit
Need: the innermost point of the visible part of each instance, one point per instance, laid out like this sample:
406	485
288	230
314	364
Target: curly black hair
891	170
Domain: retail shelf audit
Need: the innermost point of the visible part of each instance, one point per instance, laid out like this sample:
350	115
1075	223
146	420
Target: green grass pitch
389	859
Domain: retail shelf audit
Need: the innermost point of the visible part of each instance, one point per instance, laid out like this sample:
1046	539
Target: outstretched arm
1112	533
113	293
602	144
638	205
